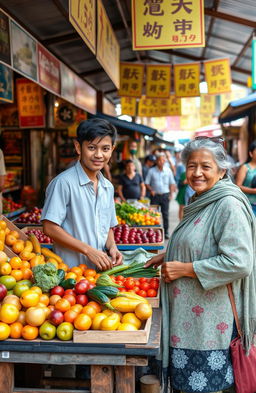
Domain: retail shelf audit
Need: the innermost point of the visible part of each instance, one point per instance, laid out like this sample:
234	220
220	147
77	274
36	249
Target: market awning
238	109
159	139
123	126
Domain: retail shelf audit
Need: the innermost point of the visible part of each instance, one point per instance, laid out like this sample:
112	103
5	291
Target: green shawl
220	190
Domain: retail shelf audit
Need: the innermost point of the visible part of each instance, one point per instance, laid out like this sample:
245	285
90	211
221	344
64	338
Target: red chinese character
175	38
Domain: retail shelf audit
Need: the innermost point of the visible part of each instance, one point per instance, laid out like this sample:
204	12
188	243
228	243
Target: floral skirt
200	371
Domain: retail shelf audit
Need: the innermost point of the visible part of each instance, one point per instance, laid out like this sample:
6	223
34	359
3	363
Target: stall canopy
124	127
238	109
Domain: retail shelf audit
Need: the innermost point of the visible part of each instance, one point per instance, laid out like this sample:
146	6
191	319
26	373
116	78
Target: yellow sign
158	81
131	80
175	106
226	98
188	106
217	76
187	79
205	119
190	122
108	49
128	106
207	103
163	24
157	107
82	15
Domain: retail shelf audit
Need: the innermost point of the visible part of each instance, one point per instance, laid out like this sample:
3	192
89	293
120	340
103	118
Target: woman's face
202	171
253	155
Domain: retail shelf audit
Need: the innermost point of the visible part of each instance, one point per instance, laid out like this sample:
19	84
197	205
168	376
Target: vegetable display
125	235
130	215
46	276
135	269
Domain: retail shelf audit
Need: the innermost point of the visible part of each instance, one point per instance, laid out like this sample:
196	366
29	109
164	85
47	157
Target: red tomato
70	292
122	289
129	284
154	284
70	298
142	293
143	279
145	286
121	283
151	293
136	289
119	278
137	282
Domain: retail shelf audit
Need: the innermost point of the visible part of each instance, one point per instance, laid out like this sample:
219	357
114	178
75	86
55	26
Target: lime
20	288
8	281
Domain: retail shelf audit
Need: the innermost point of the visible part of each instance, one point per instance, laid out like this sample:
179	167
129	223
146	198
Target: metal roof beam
215	7
246	45
230	18
61	38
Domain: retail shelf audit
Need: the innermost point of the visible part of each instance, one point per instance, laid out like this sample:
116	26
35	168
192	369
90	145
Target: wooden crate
154	301
12	227
113	336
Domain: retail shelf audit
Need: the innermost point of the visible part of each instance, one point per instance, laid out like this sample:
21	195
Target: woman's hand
155	261
173	270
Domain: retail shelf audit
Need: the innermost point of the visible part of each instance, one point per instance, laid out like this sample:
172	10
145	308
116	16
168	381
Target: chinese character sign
82	15
156	107
174	106
131	79
207	103
158	81
128	106
48	70
163	24
108	49
30	104
206	119
217	76
187	79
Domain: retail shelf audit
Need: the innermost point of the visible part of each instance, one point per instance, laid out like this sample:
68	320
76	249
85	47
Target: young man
79	210
133	148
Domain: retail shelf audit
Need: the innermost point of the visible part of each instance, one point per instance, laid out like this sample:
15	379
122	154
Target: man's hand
116	255
152	192
99	258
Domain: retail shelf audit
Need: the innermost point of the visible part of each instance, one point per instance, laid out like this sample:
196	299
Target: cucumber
99	297
109	291
69	283
61	274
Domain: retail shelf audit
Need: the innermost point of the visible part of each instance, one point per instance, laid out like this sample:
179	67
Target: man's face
95	154
160	161
130	168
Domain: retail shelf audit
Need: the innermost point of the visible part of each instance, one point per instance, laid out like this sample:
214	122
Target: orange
25	264
3	257
95	305
10	240
29	298
17	274
97	276
27	273
5	269
143	311
63	266
15	234
70	275
90	311
37	290
70	298
16	329
90	272
70	316
5	331
77	308
22	318
82	322
44	299
18	246
15	262
77	270
83	266
63	305
80	278
7	230
91	279
9	313
3	224
29	332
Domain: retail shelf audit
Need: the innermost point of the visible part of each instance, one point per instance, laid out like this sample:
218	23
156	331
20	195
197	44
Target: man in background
161	184
133	148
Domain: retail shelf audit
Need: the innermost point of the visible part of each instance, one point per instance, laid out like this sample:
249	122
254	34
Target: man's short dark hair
128	162
88	130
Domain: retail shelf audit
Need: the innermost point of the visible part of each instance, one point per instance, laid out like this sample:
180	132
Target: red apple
3	291
81	287
82	299
58	290
56	317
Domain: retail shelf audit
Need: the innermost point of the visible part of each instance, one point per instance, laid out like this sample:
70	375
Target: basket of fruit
43	239
130	238
130	215
30	218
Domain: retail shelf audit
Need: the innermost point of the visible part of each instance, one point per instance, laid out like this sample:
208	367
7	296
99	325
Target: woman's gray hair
216	149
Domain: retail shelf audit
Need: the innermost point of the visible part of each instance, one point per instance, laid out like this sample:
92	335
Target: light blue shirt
160	181
72	203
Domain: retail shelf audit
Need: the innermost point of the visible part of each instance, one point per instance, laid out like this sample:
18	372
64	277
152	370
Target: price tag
5	355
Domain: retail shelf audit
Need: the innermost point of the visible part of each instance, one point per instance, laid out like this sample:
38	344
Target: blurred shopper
161	184
2	178
131	185
246	177
180	198
149	161
133	149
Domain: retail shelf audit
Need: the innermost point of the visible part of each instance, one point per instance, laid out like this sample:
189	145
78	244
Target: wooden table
112	365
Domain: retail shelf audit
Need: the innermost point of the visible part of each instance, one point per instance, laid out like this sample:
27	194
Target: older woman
211	247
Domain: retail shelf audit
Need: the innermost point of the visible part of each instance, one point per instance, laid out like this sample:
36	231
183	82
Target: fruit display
126	235
10	206
40	235
31	217
145	287
130	215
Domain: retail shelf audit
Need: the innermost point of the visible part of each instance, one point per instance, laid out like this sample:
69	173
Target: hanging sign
131	80
82	15
207	103
24	55
48	70
30	104
188	106
128	106
158	81
206	119
218	76
108	49
155	107
190	122
6	84
187	79
68	87
254	64
85	95
5	50
164	24
174	106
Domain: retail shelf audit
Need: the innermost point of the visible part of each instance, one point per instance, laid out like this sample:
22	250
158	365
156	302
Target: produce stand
112	365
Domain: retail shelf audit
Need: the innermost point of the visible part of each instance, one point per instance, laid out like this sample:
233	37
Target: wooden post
149	384
125	379
6	377
102	379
